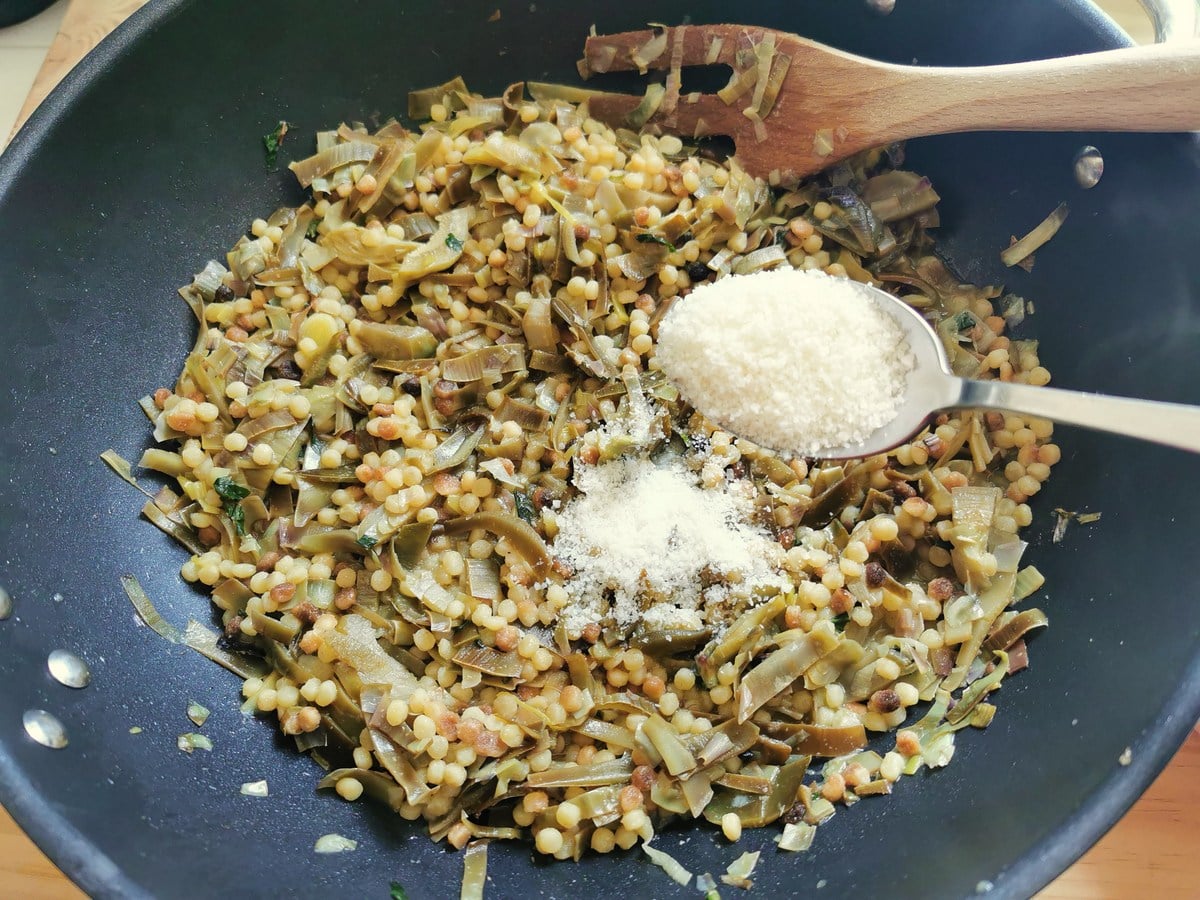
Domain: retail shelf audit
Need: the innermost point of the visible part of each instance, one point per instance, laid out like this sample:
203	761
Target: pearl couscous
393	392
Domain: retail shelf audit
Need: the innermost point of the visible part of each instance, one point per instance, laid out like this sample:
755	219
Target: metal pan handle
1173	20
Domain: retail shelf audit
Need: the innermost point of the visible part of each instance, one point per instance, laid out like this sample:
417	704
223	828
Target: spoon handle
1173	424
1153	88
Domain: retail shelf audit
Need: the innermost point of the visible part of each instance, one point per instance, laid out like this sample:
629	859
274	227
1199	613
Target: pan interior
149	162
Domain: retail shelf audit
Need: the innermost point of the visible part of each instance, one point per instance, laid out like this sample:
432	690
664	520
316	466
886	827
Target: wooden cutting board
1153	852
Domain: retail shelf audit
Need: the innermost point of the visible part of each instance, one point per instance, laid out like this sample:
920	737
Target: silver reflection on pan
45	729
67	668
1089	167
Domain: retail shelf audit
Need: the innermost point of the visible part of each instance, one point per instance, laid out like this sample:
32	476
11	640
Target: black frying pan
12	11
148	161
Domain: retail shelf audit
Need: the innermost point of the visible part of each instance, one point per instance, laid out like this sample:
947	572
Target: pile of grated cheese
794	360
647	543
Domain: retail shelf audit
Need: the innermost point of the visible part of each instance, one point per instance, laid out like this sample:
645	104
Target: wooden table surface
1153	852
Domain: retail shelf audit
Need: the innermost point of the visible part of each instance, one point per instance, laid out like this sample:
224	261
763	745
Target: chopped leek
422	101
616	771
780	669
1015	629
668	864
207	643
334	843
1022	249
255	789
796	837
524	539
121	466
173	527
191	742
739	871
664	742
146	611
396	341
474	871
197	713
756	810
489	661
391	405
645	110
1066	516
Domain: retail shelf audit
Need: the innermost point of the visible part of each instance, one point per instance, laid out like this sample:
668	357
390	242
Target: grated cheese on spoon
794	360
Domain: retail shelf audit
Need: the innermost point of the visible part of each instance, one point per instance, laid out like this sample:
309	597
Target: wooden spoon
831	104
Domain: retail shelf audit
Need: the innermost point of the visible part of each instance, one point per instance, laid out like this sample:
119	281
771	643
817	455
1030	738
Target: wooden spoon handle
1152	88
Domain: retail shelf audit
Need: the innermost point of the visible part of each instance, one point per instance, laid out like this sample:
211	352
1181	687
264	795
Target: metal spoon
932	388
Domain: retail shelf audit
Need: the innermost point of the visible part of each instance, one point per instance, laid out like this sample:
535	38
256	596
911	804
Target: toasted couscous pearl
325	694
731	827
549	841
892	766
567	815
349	788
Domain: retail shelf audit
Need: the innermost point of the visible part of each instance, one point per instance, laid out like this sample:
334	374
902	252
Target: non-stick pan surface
148	161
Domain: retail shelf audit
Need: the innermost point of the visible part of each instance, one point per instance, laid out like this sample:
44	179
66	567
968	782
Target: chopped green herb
525	508
964	321
841	620
367	541
273	141
454	243
237	515
311	232
228	489
232	492
398	892
648	238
